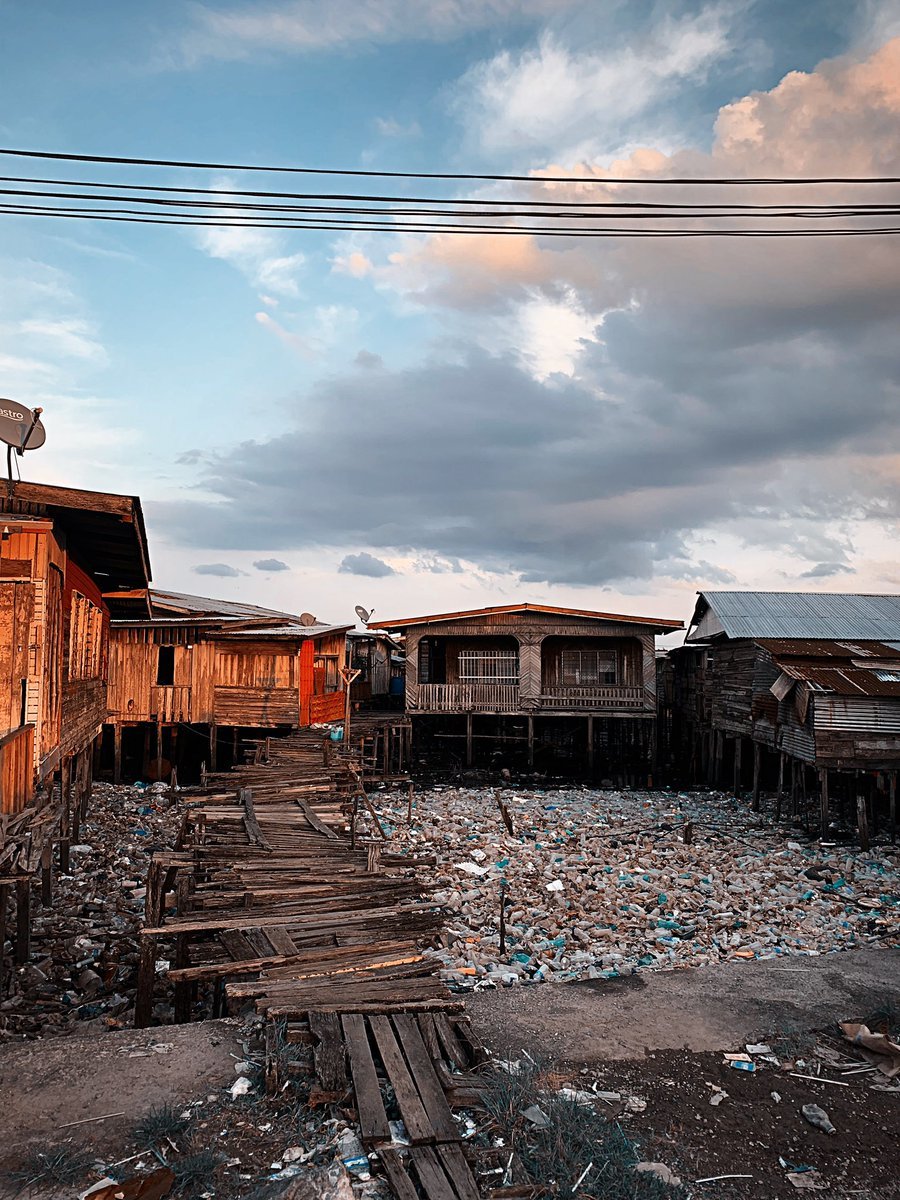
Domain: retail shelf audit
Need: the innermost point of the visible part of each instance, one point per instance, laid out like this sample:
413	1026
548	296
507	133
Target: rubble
84	946
598	884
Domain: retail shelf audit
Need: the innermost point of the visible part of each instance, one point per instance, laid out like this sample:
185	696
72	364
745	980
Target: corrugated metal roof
290	629
805	615
203	605
827	648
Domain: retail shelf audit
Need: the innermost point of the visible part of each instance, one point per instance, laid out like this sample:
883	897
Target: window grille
488	666
588	668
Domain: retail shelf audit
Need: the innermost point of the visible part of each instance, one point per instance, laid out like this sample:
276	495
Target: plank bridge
269	896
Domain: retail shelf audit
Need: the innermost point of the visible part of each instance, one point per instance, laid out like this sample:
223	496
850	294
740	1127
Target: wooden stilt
469	736
23	920
823	802
862	822
757	763
213	746
145	757
117	753
780	792
892	801
530	720
47	875
736	781
65	783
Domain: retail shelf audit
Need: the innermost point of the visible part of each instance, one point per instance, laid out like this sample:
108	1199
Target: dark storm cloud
582	483
365	564
825	570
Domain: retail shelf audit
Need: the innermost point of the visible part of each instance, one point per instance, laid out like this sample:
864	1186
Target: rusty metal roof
847	668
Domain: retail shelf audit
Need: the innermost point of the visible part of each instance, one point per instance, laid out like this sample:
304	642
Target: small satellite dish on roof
363	613
20	428
308	619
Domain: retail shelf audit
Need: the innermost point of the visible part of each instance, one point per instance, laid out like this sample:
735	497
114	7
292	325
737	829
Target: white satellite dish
308	619
363	613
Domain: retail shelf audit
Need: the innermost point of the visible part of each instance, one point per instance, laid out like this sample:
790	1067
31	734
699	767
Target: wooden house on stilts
190	676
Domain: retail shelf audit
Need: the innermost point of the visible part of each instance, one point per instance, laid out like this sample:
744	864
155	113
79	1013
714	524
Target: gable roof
659	623
857	668
104	531
224	618
817	615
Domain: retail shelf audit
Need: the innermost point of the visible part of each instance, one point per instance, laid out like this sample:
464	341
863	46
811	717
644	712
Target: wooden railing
608	696
16	769
170	703
467	697
329	707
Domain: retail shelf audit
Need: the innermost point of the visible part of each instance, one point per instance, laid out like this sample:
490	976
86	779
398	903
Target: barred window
585	668
488	666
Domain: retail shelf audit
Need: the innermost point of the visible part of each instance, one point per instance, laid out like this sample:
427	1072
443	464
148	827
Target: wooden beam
823	802
862	822
117	753
469	720
757	756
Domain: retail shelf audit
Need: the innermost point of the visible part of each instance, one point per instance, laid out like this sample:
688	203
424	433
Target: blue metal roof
804	615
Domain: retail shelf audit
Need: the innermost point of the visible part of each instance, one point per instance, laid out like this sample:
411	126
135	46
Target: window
325	674
165	666
85	639
489	666
588	668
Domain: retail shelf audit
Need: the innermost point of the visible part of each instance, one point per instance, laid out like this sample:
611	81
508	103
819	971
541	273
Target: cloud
308	26
553	98
223	570
270	564
368	361
391	128
365	564
825	570
259	254
712	404
353	263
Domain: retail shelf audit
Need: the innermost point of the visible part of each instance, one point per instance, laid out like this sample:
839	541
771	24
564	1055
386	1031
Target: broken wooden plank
432	1177
317	824
401	1184
329	1053
457	1168
373	1121
418	1124
251	824
426	1081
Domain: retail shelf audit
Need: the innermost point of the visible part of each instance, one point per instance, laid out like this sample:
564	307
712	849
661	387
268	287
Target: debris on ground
597	884
84	960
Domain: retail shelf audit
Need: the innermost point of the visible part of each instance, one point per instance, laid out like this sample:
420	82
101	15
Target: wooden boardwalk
270	897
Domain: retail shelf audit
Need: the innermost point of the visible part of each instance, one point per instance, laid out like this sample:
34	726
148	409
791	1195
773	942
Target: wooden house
776	682
189	669
379	660
61	551
537	684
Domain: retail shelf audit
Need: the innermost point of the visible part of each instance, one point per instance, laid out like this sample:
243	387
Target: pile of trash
84	955
605	883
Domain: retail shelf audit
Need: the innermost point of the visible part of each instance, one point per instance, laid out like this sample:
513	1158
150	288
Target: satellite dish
363	613
20	426
308	619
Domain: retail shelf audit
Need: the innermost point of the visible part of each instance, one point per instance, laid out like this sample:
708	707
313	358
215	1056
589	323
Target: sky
421	423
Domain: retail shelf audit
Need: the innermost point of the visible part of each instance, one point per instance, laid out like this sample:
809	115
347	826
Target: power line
121	160
200	221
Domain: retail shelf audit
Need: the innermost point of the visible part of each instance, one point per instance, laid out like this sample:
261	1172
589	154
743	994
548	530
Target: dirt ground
660	1037
707	1008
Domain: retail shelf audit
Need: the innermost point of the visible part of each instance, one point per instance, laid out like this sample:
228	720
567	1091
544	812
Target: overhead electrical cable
123	160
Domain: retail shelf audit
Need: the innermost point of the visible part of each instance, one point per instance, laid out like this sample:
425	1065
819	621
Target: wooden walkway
270	897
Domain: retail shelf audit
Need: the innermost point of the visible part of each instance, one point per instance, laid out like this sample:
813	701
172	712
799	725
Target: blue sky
461	424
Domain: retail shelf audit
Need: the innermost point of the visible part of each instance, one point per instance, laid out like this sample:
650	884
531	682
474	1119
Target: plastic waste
818	1117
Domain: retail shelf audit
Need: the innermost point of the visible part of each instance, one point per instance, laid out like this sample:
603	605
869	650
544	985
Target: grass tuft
194	1172
162	1123
62	1165
576	1138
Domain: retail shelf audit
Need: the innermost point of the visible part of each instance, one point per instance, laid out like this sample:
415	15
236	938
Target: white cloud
568	103
304	26
391	128
71	337
259	254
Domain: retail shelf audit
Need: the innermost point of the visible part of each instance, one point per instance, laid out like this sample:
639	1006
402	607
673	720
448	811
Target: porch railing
467	697
170	702
608	696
